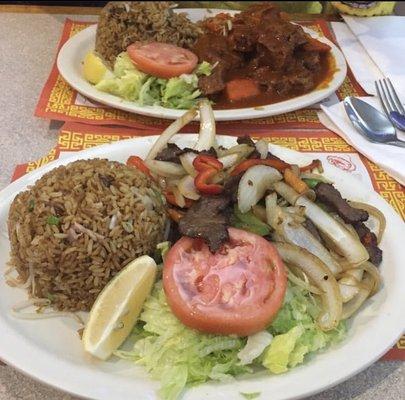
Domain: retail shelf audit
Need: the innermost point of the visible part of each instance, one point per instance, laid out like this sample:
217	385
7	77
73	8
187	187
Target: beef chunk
174	234
246	139
231	187
369	241
261	44
215	50
243	38
213	83
330	196
264	75
208	219
171	153
310	59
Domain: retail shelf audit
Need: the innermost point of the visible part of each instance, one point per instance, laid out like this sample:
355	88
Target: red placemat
61	102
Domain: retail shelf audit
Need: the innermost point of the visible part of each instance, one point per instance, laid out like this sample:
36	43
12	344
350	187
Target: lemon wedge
93	68
118	306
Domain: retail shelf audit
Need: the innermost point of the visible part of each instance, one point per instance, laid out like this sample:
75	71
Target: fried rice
122	23
80	224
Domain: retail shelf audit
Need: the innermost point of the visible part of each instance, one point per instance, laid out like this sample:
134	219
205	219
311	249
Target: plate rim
61	382
77	82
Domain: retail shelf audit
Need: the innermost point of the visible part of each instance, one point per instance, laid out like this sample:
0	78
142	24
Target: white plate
72	53
50	350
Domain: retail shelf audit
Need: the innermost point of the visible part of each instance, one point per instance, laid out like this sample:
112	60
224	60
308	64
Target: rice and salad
209	262
152	55
127	28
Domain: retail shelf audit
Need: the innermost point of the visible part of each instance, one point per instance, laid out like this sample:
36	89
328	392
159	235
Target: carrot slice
239	89
294	181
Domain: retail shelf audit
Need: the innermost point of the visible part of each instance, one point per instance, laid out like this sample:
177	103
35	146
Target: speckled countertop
27	47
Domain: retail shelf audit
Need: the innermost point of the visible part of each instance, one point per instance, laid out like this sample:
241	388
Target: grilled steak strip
172	153
208	219
369	241
330	196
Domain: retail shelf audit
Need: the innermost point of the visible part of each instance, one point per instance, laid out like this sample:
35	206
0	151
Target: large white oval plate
72	53
50	350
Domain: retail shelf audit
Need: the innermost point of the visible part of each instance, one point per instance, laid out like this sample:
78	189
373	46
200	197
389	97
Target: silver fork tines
388	97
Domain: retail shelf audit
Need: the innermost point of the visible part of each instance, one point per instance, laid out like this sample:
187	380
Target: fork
390	102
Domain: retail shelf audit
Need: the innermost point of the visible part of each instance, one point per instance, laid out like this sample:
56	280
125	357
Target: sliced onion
322	277
255	346
356	273
301	283
355	303
187	188
243	150
262	147
181	202
348	245
229	160
374	212
287	192
295	169
206	138
186	160
218	177
273	211
165	168
295	217
374	273
349	287
170	131
297	234
348	227
254	183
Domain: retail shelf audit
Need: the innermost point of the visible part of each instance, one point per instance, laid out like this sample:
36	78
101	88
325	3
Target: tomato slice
238	290
161	59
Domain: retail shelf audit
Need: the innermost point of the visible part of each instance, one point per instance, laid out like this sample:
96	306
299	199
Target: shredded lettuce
179	356
255	346
296	333
127	82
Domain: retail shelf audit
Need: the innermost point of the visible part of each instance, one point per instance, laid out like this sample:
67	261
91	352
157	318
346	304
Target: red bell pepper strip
138	163
207	167
202	162
171	199
314	164
271	162
202	179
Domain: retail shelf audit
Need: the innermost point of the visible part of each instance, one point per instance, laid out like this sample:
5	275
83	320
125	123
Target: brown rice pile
122	23
80	224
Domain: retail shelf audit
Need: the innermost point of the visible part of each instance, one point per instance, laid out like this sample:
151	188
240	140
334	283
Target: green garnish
31	205
53	220
250	396
311	182
249	222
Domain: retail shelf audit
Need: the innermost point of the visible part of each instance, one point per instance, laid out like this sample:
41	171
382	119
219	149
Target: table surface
28	45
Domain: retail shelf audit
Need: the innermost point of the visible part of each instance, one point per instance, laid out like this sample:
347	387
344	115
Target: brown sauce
321	80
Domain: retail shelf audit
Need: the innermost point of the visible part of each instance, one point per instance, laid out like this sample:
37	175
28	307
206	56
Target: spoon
371	123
